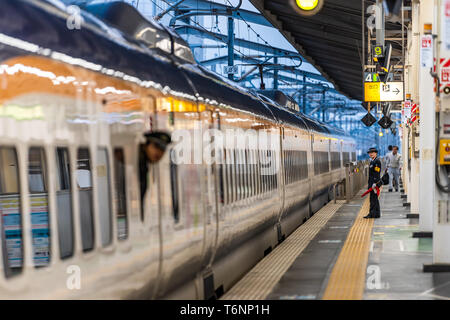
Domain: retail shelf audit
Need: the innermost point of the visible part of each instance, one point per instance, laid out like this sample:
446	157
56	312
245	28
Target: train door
213	193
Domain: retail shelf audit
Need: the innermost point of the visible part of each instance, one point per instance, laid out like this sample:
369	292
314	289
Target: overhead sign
383	92
371	77
378	51
230	69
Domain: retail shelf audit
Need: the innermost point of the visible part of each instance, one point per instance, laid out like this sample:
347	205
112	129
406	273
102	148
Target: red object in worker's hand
370	190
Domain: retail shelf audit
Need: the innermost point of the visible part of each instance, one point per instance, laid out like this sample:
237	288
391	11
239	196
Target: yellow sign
383	92
307	4
372	91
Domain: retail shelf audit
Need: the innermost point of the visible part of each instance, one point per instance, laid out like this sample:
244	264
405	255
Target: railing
356	176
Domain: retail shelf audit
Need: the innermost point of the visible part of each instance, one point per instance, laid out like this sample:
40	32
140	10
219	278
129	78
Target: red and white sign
426	42
445	73
426	52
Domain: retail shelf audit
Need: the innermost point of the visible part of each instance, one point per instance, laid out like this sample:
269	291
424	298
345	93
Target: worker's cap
159	138
372	150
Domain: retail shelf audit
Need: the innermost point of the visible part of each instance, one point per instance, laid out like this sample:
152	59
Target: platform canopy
331	40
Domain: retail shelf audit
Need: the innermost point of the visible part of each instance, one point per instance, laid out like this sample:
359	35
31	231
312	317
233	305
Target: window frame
46	184
93	212
72	198
8	270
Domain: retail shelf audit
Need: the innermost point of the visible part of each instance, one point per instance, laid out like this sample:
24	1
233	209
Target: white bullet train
77	93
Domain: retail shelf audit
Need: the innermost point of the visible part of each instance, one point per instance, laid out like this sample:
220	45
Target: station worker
374	180
393	164
151	152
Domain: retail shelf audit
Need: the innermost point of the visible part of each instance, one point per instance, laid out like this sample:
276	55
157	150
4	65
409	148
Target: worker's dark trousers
374	205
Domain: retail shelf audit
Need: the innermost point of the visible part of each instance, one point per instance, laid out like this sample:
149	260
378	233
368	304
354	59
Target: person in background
374	180
386	156
393	165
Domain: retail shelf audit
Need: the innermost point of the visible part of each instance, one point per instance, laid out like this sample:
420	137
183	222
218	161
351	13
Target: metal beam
205	34
249	16
223	59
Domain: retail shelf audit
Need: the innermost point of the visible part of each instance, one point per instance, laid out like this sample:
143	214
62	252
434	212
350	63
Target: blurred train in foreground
74	105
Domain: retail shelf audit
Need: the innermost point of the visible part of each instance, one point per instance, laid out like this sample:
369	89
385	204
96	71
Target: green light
307	5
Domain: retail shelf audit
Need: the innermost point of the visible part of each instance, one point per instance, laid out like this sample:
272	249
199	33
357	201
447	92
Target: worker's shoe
390	190
368	217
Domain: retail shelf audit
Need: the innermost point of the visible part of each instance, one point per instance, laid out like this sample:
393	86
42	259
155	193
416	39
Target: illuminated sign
307	7
383	92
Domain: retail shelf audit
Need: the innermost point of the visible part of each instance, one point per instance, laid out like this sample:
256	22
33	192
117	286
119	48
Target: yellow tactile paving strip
347	280
260	281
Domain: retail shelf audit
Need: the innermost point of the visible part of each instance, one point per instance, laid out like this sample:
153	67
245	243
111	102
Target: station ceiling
331	40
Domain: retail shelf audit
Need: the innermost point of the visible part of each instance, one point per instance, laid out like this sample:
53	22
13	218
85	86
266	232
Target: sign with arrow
383	92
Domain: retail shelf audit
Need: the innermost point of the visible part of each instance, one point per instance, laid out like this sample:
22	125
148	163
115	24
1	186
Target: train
77	95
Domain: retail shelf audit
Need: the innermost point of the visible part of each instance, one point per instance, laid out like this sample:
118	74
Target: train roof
103	48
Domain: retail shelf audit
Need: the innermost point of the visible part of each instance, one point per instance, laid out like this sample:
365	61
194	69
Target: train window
121	194
274	170
37	185
257	173
262	165
264	176
238	174
254	171
11	215
353	156
286	166
345	157
84	185
335	160
232	172
303	163
104	196
226	179
244	175
250	173
292	167
64	203
296	166
269	170
321	162
241	174
228	175
293	159
247	173
222	185
174	189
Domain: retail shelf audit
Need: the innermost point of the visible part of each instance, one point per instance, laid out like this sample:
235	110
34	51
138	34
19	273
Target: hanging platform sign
230	70
383	92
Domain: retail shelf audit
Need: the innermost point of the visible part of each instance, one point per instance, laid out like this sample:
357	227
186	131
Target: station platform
339	255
